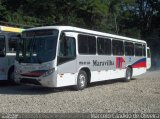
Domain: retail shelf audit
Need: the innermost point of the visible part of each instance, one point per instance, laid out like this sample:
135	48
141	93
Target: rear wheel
128	74
81	80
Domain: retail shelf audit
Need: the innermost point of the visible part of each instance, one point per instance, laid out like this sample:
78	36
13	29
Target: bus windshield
37	46
2	45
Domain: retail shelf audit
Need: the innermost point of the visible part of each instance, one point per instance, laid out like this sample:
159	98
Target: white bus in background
56	56
8	45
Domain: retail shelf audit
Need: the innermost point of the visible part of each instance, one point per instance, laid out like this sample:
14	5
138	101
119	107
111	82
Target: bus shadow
10	89
107	82
5	83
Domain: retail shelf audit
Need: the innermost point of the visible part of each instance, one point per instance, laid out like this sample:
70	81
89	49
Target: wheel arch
88	72
9	70
130	66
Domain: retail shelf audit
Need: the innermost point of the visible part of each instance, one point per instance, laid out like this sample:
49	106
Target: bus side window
148	53
129	49
86	44
12	43
138	49
144	50
117	47
104	46
67	49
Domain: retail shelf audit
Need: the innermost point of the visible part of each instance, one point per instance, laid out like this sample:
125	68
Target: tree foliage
133	18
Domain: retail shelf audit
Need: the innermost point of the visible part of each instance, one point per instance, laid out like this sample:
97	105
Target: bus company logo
103	63
119	62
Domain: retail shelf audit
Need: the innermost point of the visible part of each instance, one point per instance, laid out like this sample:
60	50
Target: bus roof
76	29
10	29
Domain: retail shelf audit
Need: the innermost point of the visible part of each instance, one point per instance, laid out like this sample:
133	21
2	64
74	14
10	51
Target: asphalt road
141	95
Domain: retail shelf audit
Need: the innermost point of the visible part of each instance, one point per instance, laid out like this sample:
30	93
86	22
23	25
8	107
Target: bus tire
81	80
11	76
128	74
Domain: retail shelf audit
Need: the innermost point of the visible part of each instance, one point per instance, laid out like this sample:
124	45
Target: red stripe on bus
138	65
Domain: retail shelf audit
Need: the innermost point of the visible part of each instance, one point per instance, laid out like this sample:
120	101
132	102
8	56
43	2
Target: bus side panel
66	74
5	64
3	69
138	71
111	67
107	75
102	67
10	58
138	64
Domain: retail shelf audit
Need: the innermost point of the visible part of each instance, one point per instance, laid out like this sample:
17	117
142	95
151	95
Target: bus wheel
81	80
11	76
128	74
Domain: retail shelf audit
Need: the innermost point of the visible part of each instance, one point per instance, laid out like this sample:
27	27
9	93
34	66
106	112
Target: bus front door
66	69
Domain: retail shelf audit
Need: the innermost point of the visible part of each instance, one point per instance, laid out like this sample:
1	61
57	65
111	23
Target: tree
146	10
92	12
114	11
3	12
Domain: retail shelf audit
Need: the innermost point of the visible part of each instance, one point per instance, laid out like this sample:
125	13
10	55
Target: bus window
129	49
148	53
117	47
67	49
86	44
144	50
104	46
138	49
2	46
12	43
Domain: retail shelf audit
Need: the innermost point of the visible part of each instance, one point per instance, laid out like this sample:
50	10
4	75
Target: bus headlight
47	73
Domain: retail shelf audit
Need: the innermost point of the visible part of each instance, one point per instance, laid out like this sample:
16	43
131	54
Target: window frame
86	35
9	44
114	39
125	48
65	59
144	46
109	39
148	53
137	43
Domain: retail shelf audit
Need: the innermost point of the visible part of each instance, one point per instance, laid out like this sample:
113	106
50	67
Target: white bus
56	56
8	40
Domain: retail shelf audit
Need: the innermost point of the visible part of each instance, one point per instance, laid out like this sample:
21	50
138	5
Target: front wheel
128	74
81	80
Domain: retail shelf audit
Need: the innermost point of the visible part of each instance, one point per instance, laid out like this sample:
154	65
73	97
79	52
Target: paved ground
141	95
